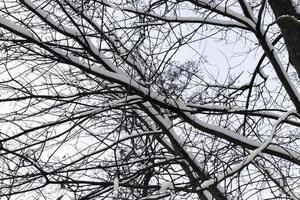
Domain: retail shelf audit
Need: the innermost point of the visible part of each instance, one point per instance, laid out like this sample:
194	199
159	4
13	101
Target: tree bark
287	20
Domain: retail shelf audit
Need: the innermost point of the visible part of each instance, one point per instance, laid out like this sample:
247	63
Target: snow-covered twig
236	168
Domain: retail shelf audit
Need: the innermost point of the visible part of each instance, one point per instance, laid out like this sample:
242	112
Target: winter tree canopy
149	99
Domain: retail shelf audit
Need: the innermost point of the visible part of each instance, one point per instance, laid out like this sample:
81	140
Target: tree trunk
287	20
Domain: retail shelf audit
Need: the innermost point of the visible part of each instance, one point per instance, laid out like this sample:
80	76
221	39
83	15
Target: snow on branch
238	167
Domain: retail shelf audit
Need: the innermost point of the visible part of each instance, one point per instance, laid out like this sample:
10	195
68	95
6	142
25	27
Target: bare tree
144	99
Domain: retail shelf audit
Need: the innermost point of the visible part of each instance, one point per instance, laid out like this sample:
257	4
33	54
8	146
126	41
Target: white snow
282	69
46	17
165	186
123	79
127	81
296	6
240	19
74	33
249	10
228	12
250	157
116	185
166	122
265	76
16	29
